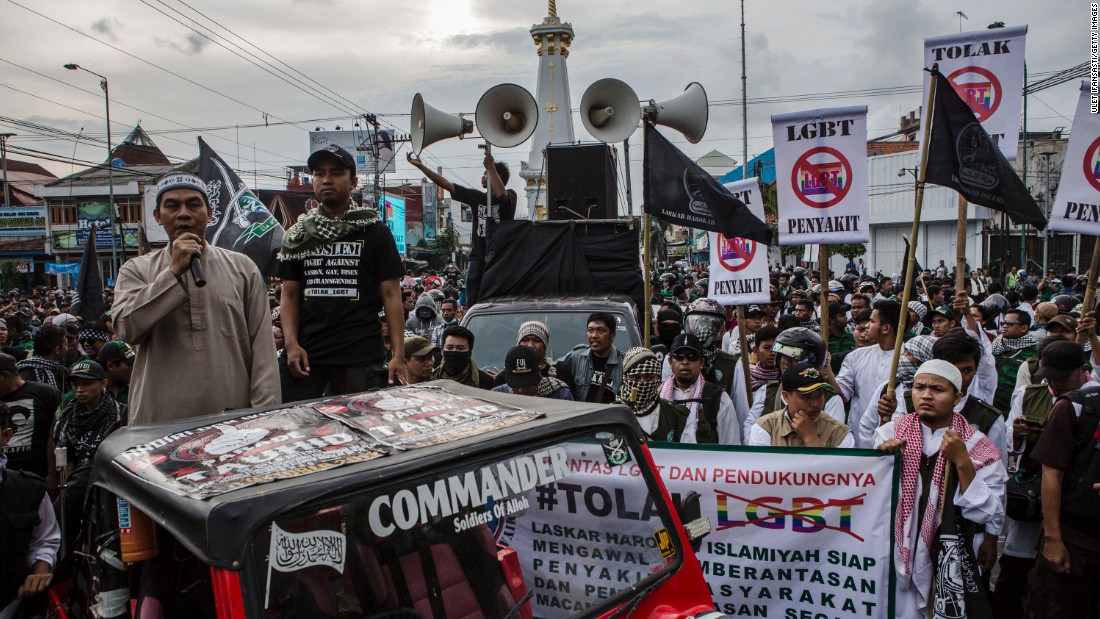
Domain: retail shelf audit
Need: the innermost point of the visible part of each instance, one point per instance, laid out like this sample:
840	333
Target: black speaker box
582	182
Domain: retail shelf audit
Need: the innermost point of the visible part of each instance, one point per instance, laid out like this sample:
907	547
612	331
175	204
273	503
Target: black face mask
667	333
454	362
424	313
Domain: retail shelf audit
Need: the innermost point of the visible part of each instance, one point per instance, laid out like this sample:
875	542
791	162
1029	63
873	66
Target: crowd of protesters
990	378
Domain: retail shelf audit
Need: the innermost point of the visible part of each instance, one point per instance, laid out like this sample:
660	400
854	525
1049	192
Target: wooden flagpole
823	259
1090	288
744	343
960	247
647	310
911	258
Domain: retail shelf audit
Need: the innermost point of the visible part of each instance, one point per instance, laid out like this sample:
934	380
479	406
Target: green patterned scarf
315	228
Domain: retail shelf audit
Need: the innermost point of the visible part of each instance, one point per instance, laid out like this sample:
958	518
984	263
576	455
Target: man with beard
332	331
802	422
594	372
659	419
929	438
217	335
712	418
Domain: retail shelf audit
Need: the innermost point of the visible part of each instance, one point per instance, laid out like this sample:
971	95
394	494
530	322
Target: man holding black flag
218	335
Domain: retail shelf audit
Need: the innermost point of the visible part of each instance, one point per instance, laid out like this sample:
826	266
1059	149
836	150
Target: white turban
939	367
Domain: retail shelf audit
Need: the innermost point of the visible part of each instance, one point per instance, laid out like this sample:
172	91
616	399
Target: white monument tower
555	126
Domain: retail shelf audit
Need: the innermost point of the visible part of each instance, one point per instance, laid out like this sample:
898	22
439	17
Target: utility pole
744	102
4	158
1046	211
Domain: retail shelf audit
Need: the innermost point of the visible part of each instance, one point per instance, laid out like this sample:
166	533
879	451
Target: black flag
905	262
240	222
957	590
88	301
962	156
677	190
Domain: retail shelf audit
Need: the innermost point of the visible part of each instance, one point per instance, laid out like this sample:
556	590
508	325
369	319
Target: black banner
958	589
240	222
88	301
962	156
677	190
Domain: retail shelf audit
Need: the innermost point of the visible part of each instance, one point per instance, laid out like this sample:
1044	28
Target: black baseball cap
942	310
115	351
521	367
1059	359
754	309
335	152
804	378
687	340
836	309
88	370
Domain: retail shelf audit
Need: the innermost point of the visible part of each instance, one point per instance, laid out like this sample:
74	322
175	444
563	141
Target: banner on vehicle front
821	176
795	532
739	266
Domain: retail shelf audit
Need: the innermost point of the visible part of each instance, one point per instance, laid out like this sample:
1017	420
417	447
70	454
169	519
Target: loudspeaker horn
687	113
610	110
506	115
430	125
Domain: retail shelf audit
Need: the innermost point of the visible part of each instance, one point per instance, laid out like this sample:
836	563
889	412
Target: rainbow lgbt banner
795	531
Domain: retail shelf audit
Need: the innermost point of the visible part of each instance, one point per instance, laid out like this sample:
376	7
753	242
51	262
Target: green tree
446	244
851	251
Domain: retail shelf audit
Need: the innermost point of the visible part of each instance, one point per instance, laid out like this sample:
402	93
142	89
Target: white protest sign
821	176
1077	205
986	68
739	267
796	532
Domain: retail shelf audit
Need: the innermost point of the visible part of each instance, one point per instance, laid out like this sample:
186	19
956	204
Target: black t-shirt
338	322
33	406
596	393
485	221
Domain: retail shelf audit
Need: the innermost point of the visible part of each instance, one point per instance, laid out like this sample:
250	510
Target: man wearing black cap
82	425
522	376
1063	582
117	359
340	267
486	217
217	336
712	418
803	422
1060	368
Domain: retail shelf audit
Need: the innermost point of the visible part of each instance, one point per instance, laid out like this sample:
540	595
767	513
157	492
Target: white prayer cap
939	367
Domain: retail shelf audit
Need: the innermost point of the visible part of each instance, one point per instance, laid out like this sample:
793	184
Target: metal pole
110	180
744	104
629	193
1023	236
910	262
4	157
1046	213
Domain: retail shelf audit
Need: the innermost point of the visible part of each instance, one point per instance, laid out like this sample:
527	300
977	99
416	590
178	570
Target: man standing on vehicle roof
217	335
486	216
340	266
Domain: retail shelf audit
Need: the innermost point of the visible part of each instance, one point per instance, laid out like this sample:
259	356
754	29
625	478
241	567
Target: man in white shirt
864	369
928	439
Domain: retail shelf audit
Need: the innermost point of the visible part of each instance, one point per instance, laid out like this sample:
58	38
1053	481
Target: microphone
196	272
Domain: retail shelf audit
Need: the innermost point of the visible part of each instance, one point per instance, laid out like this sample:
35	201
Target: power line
143	60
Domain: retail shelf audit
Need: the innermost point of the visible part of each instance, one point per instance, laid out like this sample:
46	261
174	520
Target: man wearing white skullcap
929	438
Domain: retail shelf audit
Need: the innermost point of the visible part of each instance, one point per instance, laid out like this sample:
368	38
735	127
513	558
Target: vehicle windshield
496	333
566	529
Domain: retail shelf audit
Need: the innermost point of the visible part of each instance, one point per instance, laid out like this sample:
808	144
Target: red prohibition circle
838	192
746	258
995	85
1090	156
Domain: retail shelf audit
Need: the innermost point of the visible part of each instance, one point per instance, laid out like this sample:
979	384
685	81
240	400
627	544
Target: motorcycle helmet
1065	303
706	319
802	345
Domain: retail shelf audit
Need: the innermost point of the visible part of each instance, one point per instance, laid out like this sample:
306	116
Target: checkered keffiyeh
1002	344
315	228
982	453
919	347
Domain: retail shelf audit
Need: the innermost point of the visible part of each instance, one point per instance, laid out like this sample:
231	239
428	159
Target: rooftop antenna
962	16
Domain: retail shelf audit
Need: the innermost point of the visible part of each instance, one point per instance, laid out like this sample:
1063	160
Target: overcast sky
378	53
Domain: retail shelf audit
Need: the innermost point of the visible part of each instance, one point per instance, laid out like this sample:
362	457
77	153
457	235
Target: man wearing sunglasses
1011	349
802	422
712	417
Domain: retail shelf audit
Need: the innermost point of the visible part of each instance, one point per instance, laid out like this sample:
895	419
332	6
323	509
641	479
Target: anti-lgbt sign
821	176
1077	204
986	67
795	532
739	267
